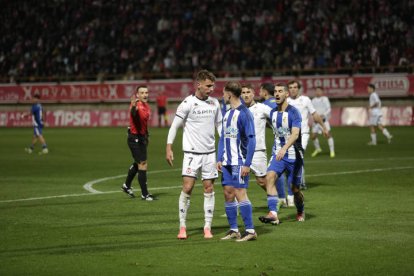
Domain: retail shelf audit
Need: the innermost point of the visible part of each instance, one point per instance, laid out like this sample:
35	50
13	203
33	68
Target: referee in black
139	113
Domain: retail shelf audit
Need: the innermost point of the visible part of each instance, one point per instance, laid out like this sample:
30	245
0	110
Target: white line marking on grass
360	171
314	160
88	185
89	188
179	186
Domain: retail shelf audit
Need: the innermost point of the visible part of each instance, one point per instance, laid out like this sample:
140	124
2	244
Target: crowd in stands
92	37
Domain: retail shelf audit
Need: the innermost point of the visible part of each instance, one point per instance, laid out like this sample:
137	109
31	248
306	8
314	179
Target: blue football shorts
37	130
231	176
293	169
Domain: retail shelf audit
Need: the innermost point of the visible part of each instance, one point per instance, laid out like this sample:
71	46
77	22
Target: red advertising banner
393	115
79	118
358	116
335	86
68	118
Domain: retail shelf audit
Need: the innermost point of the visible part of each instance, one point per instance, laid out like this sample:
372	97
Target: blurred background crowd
129	39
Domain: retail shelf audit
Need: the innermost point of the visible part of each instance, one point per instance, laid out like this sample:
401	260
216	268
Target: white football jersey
305	106
322	106
260	112
373	99
201	117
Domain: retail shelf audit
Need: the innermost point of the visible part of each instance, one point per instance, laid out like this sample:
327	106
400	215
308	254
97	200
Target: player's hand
170	158
245	171
280	154
169	155
134	99
219	165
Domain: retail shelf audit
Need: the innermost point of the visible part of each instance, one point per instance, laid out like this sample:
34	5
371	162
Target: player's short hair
293	82
36	95
268	86
234	87
248	86
319	87
141	86
282	84
205	75
372	86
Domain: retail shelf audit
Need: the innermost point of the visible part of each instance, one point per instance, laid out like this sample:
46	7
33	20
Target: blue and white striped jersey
282	123
271	102
237	142
37	115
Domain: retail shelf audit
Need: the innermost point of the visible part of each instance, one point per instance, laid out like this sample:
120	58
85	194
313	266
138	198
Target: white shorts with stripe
194	163
259	163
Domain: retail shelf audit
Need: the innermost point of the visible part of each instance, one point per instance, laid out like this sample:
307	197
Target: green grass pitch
360	218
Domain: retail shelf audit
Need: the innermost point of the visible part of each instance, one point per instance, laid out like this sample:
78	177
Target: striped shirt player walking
38	124
235	153
287	155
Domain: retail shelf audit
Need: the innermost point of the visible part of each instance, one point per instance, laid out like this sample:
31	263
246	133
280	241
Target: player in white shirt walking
375	116
200	115
323	108
305	107
260	114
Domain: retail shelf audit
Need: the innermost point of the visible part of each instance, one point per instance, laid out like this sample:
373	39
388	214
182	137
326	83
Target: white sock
374	138
183	205
316	144
209	200
386	133
331	144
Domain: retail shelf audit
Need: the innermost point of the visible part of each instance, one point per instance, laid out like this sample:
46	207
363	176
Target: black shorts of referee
138	145
161	110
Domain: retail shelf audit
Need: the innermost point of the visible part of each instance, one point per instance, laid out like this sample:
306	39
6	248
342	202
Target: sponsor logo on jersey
203	111
231	132
282	131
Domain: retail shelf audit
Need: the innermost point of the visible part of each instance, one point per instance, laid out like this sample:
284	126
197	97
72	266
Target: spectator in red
162	109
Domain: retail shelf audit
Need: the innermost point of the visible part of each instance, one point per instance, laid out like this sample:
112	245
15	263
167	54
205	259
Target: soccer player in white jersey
305	107
235	153
260	114
375	116
287	155
200	115
323	108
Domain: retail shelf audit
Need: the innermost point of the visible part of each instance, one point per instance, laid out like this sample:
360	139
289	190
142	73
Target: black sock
142	179
131	174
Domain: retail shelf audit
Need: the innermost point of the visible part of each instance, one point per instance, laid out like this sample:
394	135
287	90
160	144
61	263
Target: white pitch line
361	171
176	187
89	188
315	160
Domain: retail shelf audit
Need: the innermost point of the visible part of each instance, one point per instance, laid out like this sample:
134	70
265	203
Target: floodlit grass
359	211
